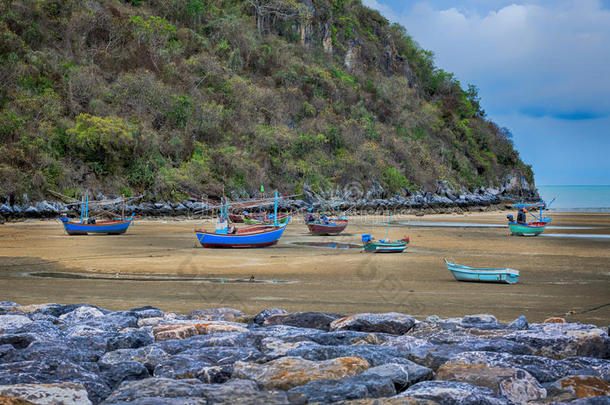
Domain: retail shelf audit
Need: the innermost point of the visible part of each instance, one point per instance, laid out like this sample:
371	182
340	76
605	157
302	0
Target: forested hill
159	96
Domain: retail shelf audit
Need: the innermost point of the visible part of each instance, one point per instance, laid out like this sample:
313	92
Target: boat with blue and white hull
225	236
90	225
486	275
256	236
110	227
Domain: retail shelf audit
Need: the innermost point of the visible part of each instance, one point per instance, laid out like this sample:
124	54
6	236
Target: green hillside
159	96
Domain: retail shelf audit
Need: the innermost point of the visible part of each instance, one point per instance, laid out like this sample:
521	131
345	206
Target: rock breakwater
81	354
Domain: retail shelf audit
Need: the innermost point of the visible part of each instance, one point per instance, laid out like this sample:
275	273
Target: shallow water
331	245
478	225
130	277
575	235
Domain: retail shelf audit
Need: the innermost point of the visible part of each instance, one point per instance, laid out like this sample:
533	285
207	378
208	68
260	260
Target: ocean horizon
577	198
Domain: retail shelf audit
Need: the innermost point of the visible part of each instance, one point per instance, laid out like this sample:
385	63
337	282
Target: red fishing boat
333	227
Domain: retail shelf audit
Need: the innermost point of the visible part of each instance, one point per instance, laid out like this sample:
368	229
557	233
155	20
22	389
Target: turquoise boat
485	275
522	227
533	228
371	245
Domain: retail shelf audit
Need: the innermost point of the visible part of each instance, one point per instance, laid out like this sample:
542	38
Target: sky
542	68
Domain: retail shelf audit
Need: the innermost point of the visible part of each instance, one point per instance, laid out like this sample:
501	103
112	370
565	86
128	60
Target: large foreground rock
193	392
12	322
560	340
312	320
288	372
515	384
48	394
543	369
390	322
454	393
183	331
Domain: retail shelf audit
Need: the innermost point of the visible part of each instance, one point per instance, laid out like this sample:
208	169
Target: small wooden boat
486	275
521	226
255	236
110	227
89	225
384	246
332	228
533	228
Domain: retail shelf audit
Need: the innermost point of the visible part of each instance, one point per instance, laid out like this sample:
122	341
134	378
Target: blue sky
542	69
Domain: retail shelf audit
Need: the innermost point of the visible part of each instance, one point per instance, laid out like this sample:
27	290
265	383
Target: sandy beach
158	262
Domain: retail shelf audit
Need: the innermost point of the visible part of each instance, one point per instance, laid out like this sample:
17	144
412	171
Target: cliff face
161	96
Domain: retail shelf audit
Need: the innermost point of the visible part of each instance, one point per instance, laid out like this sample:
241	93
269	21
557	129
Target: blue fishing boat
486	275
225	236
110	227
88	225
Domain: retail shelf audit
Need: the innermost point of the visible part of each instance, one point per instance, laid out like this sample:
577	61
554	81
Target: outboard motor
366	238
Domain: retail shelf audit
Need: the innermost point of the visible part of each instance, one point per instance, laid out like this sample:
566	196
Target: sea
577	198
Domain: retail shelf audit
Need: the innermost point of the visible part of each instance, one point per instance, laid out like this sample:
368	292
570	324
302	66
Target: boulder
48	394
542	368
260	318
448	392
288	372
355	387
582	386
387	401
519	323
398	374
560	340
234	339
54	371
12	322
312	320
348	337
391	322
149	356
158	391
513	383
182	331
10	400
192	392
115	374
218	314
481	321
129	340
180	367
80	315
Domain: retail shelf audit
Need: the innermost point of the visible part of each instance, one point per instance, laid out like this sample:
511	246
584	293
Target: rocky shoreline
81	354
355	202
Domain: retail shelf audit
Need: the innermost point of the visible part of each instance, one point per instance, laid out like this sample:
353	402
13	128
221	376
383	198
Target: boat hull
334	228
529	229
473	274
249	238
104	227
380	247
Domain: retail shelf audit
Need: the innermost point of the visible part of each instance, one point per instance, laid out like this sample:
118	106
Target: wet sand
560	276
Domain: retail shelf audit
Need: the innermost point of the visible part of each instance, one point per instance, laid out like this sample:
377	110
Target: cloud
547	55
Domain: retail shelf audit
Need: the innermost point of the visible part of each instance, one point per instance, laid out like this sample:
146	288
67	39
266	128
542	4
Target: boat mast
388	230
275	210
82	208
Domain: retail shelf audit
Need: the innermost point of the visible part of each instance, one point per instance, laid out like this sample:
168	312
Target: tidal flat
159	263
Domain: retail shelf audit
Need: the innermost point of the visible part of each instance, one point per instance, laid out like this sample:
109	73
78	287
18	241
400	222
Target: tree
268	11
